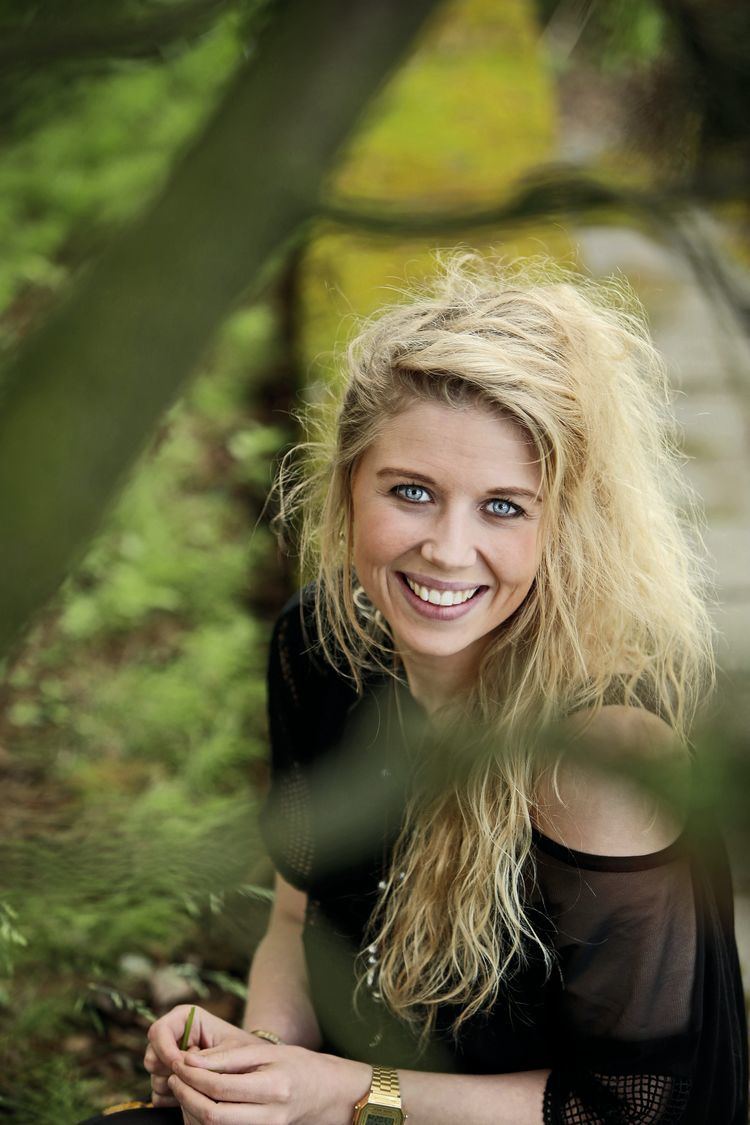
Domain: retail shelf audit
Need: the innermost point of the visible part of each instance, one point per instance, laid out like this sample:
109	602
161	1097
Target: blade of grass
184	1042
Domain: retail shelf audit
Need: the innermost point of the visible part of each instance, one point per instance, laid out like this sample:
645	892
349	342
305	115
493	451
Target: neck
435	680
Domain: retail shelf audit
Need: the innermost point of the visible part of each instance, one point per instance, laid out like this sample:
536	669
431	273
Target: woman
492	525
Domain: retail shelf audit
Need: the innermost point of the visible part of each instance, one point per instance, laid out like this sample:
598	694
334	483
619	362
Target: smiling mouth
443	598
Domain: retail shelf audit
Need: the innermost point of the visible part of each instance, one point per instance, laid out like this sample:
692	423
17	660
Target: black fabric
143	1115
642	1019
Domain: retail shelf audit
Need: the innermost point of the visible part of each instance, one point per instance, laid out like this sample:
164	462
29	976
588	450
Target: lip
439	612
436	583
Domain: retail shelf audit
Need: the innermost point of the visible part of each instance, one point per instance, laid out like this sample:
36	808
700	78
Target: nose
449	544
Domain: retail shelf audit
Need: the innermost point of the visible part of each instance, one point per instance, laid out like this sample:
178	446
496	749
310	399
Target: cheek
379	536
362	550
519	561
361	528
369	547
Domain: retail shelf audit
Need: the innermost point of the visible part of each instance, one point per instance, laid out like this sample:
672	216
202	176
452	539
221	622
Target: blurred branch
83	394
350	799
726	282
131	39
554	192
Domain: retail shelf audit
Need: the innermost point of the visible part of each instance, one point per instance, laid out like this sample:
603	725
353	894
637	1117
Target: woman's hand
264	1084
164	1037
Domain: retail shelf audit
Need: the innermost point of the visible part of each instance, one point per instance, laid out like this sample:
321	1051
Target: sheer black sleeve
635	938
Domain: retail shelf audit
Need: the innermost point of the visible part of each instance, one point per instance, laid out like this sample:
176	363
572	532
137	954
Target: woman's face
446	526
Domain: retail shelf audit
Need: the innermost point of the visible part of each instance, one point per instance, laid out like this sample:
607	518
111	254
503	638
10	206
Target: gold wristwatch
382	1105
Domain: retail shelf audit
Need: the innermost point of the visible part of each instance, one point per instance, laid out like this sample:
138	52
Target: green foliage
130	876
99	148
628	33
11	939
615	35
123	874
53	1092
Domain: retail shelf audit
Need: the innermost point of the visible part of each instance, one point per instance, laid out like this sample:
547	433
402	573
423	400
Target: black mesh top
642	1019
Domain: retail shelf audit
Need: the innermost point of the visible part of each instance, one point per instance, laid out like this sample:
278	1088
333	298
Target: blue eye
506	506
411	492
417	494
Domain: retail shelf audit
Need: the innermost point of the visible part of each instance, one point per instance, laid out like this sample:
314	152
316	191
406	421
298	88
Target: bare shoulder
591	805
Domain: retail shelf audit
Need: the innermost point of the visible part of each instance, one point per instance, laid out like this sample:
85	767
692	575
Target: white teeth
441	597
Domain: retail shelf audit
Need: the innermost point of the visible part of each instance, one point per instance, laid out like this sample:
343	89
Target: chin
434	646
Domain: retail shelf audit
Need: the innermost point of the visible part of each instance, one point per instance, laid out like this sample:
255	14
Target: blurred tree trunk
84	393
273	398
714	39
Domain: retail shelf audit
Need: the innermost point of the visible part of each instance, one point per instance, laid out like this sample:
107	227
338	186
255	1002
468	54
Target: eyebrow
501	490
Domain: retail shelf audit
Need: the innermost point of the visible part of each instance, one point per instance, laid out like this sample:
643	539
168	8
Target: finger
153	1063
159	1085
233	1060
203	1109
160	1101
163	1034
255	1088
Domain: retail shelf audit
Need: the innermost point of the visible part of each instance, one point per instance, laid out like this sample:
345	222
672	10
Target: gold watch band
269	1035
384	1094
385	1086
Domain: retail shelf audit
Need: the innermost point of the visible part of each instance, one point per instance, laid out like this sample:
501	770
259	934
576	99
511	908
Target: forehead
450	441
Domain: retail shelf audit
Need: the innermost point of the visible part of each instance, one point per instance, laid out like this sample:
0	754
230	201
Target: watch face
382	1115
